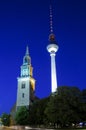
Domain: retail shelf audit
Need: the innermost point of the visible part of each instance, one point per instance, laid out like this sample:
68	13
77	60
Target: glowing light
53	74
23	79
52	49
32	81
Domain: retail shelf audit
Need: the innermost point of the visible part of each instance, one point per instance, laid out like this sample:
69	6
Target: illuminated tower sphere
26	83
52	49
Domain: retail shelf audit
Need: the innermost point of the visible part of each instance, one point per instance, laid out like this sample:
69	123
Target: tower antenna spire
51	18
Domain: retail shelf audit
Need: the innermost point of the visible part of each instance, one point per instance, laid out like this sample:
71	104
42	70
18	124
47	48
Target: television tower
52	49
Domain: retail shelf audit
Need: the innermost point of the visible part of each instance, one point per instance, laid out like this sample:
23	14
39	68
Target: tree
51	110
36	112
22	115
5	119
83	105
64	106
84	95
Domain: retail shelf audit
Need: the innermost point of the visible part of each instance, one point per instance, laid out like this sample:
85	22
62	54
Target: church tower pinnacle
26	83
52	48
27	51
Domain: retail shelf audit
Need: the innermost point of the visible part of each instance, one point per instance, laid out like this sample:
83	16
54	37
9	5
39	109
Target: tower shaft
53	74
52	48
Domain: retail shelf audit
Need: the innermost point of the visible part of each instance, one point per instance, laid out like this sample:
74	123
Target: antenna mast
51	19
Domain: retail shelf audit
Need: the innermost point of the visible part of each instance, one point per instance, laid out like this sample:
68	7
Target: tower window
23	85
22	95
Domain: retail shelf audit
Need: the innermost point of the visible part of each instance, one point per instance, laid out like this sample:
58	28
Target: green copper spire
27	59
27	50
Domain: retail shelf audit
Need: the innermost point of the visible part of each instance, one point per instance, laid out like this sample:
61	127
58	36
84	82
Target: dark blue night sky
26	22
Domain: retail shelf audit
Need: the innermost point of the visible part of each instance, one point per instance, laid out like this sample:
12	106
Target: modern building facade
26	83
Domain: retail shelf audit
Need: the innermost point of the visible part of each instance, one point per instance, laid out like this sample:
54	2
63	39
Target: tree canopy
22	115
63	108
36	112
66	107
5	119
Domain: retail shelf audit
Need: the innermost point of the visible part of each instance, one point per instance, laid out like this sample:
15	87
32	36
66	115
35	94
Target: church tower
26	83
